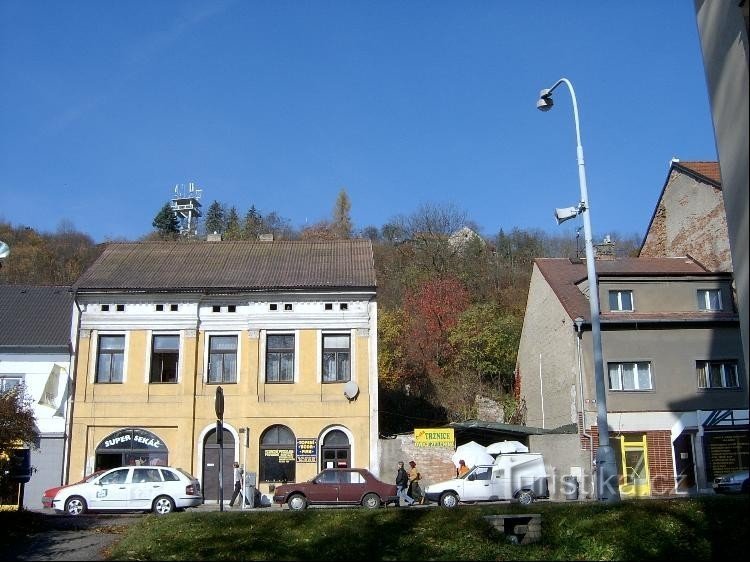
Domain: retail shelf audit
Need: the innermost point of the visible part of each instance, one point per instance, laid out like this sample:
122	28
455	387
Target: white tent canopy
502	447
473	454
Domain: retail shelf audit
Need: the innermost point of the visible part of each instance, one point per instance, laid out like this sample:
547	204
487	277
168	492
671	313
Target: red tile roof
708	170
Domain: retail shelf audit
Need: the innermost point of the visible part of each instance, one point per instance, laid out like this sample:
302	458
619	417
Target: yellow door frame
636	480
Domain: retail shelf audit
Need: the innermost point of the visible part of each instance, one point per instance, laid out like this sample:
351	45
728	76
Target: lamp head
544	103
566	213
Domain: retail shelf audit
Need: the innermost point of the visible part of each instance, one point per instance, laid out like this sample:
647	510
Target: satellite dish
4	250
351	390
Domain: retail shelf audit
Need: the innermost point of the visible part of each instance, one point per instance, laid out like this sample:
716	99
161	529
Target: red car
49	495
337	486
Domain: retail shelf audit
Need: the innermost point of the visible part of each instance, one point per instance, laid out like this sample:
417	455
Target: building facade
690	218
287	330
676	387
35	351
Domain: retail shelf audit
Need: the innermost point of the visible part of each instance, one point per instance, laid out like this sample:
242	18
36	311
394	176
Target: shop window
277	449
335	450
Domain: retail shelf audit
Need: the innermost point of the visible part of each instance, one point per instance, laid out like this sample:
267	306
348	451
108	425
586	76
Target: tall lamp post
606	468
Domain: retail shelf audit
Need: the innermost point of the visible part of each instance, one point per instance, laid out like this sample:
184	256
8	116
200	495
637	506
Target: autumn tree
432	310
322	230
392	368
342	222
17	427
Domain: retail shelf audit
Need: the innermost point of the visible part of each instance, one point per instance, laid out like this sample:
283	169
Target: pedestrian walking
402	483
237	483
415	490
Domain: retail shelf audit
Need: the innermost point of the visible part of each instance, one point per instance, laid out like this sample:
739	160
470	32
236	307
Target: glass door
634	459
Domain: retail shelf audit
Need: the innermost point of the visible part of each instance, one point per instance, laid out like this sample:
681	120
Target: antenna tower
186	206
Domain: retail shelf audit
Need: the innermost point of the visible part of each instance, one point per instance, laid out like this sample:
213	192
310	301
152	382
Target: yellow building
287	330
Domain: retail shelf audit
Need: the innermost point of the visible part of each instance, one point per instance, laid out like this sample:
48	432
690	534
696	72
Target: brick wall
660	454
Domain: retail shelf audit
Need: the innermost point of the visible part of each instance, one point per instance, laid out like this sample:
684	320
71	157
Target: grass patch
696	529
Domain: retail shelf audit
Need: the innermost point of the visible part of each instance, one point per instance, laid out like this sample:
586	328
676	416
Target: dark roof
35	317
231	266
563	275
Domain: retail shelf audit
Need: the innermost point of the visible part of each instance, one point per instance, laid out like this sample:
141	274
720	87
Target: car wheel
75	505
525	497
163	505
297	502
449	500
371	501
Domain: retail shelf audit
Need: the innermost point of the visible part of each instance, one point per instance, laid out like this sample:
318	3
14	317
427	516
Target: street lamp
606	468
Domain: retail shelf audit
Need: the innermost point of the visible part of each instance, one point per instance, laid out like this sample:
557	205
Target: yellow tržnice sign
442	437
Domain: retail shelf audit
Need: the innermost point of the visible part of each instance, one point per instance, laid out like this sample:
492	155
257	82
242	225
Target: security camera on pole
606	468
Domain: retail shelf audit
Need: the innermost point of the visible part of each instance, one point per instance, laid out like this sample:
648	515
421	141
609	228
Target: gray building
676	385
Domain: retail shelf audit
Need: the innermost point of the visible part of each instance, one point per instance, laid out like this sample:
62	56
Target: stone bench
520	528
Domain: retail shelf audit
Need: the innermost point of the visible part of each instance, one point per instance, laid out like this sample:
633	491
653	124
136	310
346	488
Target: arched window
336	450
277	461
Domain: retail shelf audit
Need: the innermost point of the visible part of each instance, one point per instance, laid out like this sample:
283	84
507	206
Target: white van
514	476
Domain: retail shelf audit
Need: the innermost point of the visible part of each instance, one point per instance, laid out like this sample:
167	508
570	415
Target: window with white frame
165	355
9	382
110	359
222	359
630	376
280	358
621	301
709	299
336	358
717	374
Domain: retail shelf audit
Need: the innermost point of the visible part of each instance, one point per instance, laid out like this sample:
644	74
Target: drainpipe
578	322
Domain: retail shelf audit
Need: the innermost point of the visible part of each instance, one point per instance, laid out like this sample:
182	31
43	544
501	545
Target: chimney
266	237
215	237
605	250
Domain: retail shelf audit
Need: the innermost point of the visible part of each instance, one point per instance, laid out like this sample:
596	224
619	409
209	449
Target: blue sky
105	106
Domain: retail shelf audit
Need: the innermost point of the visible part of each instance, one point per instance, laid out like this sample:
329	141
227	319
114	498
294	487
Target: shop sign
440	437
130	439
727	452
307	449
283	455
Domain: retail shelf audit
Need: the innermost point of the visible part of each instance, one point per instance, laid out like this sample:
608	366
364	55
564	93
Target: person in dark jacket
402	483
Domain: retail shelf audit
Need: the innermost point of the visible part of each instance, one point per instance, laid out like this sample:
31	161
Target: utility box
20	465
250	489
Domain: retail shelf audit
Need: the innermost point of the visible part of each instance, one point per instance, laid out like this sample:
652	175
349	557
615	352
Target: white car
514	476
160	489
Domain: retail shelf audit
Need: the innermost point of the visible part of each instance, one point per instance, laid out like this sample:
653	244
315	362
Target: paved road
85	537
